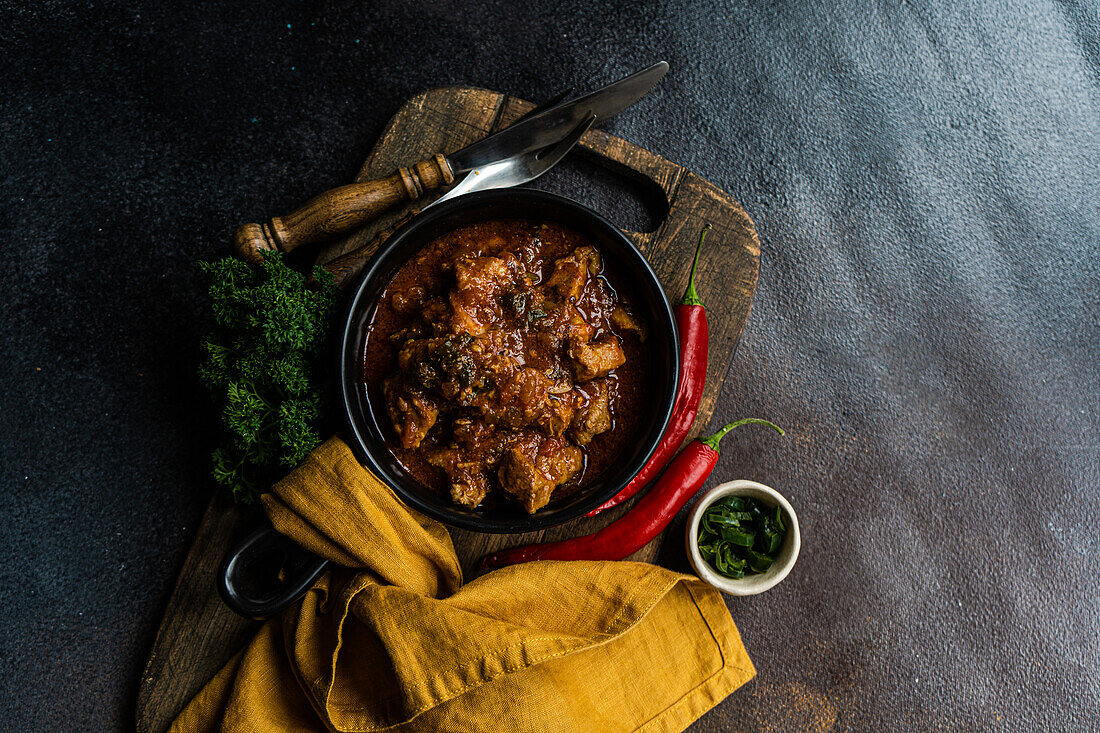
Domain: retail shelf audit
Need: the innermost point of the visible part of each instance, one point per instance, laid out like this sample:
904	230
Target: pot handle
301	568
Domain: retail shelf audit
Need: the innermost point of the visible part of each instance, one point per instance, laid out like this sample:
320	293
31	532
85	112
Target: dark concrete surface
924	179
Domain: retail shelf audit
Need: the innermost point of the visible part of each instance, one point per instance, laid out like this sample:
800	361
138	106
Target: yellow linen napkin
395	641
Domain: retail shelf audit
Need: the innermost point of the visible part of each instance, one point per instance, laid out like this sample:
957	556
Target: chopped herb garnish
264	365
515	302
739	536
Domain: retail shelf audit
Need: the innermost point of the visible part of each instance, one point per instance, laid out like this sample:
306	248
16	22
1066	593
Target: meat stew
505	363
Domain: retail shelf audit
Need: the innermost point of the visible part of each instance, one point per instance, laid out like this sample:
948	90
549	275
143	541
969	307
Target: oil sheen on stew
506	364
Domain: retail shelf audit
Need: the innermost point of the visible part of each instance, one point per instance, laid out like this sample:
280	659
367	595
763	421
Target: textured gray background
924	179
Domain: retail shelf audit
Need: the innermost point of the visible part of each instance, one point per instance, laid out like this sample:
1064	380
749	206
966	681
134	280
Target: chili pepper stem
712	441
690	296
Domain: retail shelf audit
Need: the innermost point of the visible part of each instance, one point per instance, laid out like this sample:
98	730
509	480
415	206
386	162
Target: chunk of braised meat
528	306
529	253
594	359
479	283
412	412
465	474
469	460
571	324
593	416
486	274
534	466
571	273
529	398
560	324
481	441
558	414
450	366
471	431
505	351
623	322
598	302
576	327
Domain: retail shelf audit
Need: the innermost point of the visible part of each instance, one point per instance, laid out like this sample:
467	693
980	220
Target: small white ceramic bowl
784	561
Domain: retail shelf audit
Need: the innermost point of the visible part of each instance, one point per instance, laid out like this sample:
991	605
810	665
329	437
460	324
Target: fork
519	169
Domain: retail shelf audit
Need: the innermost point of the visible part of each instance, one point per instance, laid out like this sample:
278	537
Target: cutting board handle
634	162
342	209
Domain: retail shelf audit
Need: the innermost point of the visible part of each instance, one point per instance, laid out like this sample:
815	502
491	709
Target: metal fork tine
547	157
531	164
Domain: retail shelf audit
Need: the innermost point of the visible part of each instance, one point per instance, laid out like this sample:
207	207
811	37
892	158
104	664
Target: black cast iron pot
366	429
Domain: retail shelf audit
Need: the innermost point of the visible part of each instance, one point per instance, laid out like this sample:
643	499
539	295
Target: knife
342	209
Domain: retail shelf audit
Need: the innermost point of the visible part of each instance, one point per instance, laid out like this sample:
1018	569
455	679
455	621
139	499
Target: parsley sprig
264	365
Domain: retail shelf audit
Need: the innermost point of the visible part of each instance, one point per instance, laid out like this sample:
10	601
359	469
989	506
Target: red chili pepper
643	522
691	322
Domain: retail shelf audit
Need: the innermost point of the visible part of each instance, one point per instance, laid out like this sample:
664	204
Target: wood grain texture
198	634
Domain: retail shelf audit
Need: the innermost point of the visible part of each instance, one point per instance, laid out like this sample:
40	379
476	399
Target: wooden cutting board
198	634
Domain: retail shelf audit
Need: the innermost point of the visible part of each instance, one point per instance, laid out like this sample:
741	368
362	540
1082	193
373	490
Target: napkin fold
394	640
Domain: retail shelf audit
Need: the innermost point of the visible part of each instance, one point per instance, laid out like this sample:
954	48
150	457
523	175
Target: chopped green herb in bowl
743	537
739	536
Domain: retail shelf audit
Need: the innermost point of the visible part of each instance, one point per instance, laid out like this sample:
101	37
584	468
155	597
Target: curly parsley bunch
264	365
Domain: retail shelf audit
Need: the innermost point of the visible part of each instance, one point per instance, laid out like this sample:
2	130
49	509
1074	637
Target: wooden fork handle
342	209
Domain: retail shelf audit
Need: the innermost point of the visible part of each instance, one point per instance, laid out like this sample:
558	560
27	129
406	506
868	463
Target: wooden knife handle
341	209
